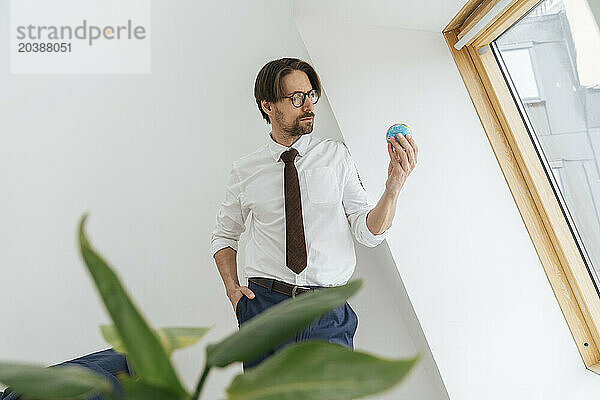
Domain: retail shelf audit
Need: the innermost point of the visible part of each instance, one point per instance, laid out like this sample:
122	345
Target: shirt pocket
322	185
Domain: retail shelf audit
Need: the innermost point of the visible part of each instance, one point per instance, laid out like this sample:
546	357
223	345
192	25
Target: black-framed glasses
299	97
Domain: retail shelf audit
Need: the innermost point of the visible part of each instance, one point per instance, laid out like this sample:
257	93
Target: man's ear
267	106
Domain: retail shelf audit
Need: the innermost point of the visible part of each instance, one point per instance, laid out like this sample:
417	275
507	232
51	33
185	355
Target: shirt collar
277	149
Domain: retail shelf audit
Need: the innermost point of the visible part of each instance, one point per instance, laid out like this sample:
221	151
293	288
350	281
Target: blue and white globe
395	129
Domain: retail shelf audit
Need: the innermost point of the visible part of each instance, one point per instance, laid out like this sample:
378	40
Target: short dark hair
269	81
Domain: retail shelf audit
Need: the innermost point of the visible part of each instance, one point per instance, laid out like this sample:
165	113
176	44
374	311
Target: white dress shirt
334	207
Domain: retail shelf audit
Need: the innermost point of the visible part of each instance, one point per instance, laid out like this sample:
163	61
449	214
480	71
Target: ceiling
428	15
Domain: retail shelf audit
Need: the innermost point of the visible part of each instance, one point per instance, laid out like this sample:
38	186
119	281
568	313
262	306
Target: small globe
395	129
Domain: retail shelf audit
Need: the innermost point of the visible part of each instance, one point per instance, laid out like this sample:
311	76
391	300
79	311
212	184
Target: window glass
551	59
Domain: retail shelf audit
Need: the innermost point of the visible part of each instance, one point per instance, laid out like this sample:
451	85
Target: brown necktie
295	247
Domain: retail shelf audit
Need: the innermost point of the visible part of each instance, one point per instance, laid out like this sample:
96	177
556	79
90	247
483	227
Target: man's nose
308	105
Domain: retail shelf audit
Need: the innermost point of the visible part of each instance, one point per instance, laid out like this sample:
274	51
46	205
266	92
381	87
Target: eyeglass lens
298	98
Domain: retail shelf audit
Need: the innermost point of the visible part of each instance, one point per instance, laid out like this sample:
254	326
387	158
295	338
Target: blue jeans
105	362
337	326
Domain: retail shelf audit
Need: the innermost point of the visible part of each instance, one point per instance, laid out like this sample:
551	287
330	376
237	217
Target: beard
295	128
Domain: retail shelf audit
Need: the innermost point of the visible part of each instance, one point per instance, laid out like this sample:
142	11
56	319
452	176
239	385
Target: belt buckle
295	288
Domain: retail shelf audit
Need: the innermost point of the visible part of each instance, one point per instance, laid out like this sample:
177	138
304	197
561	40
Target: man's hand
236	293
403	159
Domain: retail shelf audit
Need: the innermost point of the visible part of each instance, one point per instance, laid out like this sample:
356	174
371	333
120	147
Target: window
532	69
562	121
518	61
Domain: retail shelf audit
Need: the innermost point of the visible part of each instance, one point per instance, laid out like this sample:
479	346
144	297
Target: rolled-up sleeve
231	217
357	204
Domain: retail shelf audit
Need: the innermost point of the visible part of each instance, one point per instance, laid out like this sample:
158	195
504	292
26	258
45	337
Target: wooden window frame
524	172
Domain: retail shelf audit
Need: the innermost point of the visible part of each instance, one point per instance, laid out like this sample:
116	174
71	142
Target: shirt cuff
369	238
221	243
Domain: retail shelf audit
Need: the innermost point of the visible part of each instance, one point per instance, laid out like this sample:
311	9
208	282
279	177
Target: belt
281	287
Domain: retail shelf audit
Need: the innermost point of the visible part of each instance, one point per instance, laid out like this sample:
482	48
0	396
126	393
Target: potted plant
313	369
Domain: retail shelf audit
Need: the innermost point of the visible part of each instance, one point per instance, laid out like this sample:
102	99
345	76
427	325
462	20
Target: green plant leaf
277	324
111	336
315	370
172	338
135	389
148	359
58	382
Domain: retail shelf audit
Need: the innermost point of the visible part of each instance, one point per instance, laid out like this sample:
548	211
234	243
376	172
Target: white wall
460	246
148	157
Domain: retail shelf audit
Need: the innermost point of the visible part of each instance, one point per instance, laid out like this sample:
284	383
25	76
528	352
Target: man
307	202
